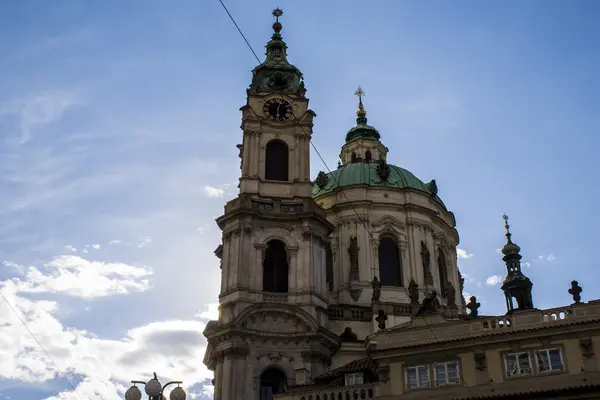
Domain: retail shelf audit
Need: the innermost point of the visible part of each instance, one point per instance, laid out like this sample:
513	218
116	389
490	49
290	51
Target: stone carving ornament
376	289
383	169
353	251
413	291
473	307
381	319
575	291
430	305
322	179
426	259
451	295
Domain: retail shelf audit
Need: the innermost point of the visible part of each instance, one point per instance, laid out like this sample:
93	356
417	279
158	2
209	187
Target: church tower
273	300
516	285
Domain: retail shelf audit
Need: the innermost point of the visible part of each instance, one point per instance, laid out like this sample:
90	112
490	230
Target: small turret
362	140
516	285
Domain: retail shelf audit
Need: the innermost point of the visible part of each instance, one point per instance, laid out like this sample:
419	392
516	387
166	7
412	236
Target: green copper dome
369	174
362	130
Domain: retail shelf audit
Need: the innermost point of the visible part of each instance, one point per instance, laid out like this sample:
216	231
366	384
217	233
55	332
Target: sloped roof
365	364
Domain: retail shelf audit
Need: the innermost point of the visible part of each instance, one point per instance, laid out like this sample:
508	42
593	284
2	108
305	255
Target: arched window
353	158
272	381
390	270
276	161
368	156
329	268
275	268
443	272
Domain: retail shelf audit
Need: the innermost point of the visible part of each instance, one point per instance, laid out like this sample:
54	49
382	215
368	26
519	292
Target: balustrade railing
358	392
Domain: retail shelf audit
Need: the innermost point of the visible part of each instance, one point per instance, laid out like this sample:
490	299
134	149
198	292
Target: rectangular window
355	379
417	377
446	373
518	364
549	360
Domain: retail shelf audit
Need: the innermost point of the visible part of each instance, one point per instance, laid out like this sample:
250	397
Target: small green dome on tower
362	130
365	164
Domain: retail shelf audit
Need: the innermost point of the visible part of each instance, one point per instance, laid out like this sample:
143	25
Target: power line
40	345
240	31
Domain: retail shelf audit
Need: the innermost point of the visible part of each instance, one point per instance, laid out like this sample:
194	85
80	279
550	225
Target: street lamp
155	390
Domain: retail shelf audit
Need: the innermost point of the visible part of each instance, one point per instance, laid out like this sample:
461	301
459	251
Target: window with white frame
549	360
446	373
355	379
417	377
518	364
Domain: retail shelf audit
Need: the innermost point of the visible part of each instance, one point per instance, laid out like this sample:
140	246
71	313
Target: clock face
277	109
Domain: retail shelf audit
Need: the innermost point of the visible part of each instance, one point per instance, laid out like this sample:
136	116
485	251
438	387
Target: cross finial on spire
507	227
360	93
361	113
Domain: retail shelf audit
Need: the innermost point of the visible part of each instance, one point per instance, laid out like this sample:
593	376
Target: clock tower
272	328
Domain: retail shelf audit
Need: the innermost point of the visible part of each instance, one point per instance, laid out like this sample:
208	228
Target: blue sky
118	126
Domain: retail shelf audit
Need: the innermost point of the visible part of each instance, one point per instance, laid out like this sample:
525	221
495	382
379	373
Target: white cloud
210	312
549	257
17	267
494	280
527	264
210	191
78	277
115	241
460	253
70	248
204	228
170	347
39	110
96	246
143	241
499	251
107	365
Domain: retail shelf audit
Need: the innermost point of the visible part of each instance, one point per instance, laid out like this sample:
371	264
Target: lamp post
155	390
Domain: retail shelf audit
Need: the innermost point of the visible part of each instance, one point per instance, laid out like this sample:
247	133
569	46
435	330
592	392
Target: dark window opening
276	161
368	156
275	268
443	272
272	381
390	270
353	158
329	268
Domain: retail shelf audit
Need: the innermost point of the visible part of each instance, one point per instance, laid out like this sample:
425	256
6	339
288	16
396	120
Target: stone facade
305	302
408	216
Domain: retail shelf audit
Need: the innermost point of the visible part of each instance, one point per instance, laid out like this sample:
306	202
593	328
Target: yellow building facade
543	354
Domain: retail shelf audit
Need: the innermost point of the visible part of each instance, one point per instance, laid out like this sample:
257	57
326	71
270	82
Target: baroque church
347	287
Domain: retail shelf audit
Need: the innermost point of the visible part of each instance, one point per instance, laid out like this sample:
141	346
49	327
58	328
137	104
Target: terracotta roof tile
362	364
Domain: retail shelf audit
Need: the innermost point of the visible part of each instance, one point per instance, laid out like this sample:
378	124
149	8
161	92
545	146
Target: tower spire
361	130
516	285
361	114
507	227
276	74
